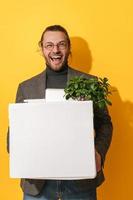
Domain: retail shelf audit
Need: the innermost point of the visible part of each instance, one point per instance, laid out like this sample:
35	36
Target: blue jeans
63	190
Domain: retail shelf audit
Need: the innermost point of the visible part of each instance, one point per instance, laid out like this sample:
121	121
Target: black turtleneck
56	79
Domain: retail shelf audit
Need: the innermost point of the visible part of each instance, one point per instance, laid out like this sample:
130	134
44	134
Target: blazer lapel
71	73
41	85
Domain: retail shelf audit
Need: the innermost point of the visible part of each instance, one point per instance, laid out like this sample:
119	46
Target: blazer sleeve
103	130
19	99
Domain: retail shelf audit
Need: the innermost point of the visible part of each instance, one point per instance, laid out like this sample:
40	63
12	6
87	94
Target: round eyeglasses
61	45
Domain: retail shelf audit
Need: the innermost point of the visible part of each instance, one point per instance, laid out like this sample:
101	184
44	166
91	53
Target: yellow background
101	34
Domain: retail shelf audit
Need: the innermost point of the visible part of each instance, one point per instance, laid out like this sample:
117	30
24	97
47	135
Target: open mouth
56	59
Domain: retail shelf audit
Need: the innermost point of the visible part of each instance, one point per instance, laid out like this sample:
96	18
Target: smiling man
56	47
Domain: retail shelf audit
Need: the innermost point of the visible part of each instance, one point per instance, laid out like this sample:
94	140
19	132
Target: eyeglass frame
58	45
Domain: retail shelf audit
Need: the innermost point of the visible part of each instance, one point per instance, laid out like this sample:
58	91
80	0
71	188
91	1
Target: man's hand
98	161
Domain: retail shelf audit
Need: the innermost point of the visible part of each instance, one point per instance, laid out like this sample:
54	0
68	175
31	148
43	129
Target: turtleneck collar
62	71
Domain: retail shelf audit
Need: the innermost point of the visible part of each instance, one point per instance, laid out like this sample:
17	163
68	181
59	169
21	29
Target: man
56	47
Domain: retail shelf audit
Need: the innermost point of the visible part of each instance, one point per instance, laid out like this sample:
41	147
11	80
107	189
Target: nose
56	48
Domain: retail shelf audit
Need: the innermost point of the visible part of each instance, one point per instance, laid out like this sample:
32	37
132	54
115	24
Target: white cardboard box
52	140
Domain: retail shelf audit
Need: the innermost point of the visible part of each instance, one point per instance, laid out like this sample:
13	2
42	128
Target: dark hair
55	28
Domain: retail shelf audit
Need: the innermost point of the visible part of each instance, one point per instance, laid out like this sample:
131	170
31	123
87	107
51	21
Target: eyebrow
57	42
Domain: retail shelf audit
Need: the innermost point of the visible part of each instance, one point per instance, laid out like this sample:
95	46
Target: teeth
56	57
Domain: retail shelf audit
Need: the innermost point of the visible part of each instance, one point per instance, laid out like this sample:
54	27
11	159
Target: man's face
55	49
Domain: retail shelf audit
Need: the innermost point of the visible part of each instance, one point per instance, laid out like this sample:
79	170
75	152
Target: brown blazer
34	88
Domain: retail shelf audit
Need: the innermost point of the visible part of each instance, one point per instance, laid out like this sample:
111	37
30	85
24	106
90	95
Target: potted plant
83	89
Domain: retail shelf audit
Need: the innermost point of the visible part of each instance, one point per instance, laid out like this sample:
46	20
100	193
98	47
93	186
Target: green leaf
95	89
